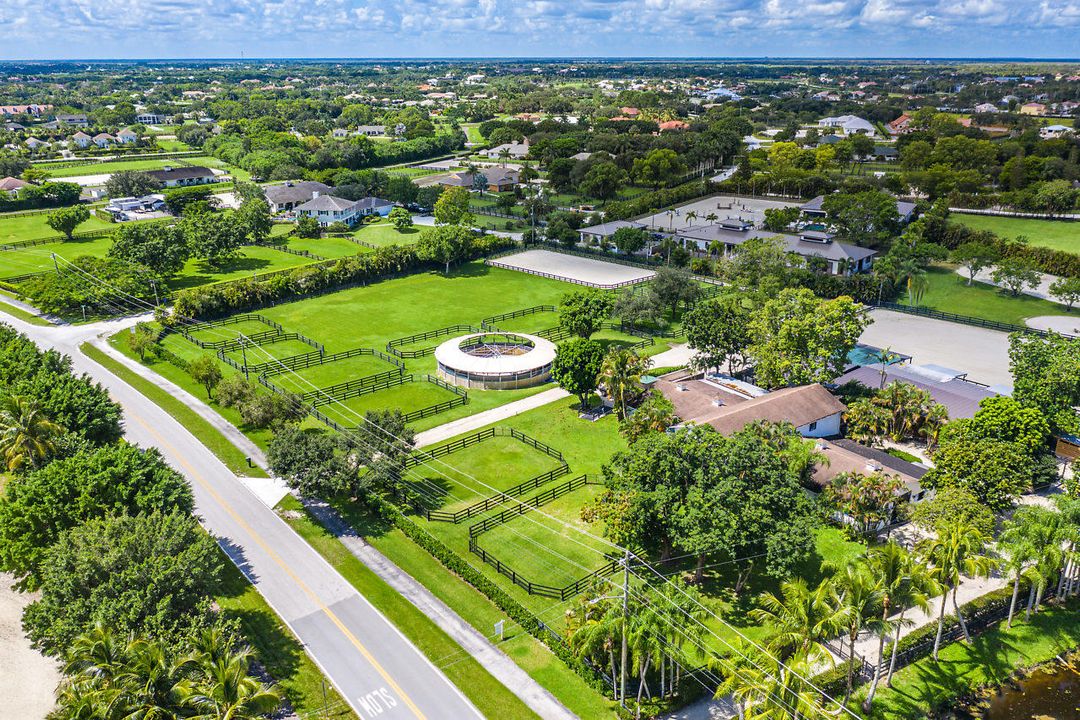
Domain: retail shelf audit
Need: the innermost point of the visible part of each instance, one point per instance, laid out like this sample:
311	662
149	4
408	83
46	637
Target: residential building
839	258
127	136
31	109
985	108
34	144
1033	108
371	130
946	386
149	118
496	179
847	456
11	186
513	150
327	209
670	125
79	120
900	125
104	140
81	140
849	125
1054	131
291	193
597	234
184	176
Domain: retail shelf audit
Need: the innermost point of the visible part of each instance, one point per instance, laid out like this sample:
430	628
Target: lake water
1041	696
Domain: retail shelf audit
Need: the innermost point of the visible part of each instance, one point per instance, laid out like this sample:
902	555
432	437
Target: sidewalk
479	420
494	660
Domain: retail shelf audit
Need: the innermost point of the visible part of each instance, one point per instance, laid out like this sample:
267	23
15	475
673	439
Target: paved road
376	669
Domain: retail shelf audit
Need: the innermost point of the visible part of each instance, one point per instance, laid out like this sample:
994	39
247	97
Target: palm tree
959	549
226	690
620	375
859	593
593	630
1019	542
691	217
26	435
711	218
894	569
801	618
765	687
1069	507
921	586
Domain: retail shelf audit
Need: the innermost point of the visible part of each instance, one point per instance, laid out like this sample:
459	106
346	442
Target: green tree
997	472
401	218
1056	196
446	244
582	311
800	619
37	508
215	238
629	240
130	183
603	181
672	287
779	219
382	440
65	220
308	461
1015	273
206	371
149	573
307	227
718	330
953	502
26	433
141	339
1046	376
797	338
1066	290
620	376
576	367
1003	418
868	499
660	167
255	219
867	218
162	248
974	256
655	414
452	207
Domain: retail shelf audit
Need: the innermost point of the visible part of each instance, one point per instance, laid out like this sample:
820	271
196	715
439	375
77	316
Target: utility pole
157	300
625	620
243	351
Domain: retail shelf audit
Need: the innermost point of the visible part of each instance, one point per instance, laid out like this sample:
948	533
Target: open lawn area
383	233
100	168
38	258
989	660
35	226
251	260
950	292
327	247
1055	234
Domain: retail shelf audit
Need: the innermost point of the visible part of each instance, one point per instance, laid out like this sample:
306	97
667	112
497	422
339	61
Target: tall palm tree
958	550
226	690
593	629
1069	507
26	435
894	569
859	594
620	374
711	218
765	687
801	618
916	593
691	217
1019	543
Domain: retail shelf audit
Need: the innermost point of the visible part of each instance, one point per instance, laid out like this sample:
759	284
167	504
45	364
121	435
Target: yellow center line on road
284	566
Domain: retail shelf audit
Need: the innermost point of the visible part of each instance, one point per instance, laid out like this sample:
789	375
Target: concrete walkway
494	660
494	415
1042	290
676	356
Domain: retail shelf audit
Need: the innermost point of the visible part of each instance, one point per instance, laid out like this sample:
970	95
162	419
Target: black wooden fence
394	345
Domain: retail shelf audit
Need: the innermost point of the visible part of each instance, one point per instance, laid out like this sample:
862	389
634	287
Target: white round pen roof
450	354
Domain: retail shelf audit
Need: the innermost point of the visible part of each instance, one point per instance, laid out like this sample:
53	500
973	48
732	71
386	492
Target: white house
104	140
848	125
183	176
149	118
515	150
1054	131
327	209
127	136
33	143
81	140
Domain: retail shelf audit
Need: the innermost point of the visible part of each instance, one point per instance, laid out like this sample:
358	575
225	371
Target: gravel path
28	679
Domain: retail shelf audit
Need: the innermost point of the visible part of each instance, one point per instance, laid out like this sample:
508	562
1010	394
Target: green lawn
327	247
949	292
988	661
490	696
37	258
1055	234
35	226
407	397
500	462
101	168
172	145
383	233
278	650
251	261
472	132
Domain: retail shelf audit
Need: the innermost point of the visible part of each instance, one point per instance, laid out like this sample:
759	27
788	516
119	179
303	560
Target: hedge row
1044	259
307	280
514	610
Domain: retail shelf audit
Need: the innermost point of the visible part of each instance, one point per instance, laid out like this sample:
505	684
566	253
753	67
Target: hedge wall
651	202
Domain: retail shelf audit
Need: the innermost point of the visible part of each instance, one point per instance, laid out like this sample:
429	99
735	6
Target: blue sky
34	29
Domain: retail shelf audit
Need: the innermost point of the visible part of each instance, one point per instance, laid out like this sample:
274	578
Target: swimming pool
862	355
